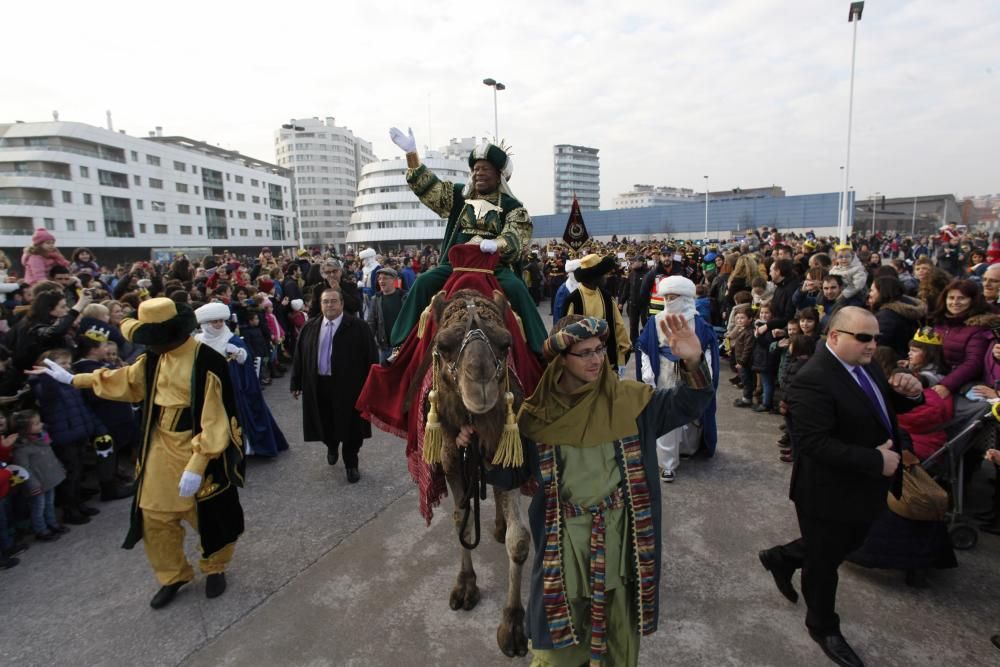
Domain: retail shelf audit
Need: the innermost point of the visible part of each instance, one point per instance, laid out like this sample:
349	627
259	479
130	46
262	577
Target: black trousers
333	433
71	456
819	552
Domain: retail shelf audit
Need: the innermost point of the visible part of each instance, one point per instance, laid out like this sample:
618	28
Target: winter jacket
66	415
898	321
855	279
742	343
30	339
117	417
35	454
925	423
258	343
965	344
782	307
763	362
787	375
36	267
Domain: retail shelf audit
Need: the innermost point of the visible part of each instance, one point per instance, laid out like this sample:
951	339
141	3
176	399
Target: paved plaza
336	574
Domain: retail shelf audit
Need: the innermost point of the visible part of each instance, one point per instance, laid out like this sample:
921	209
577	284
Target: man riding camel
482	212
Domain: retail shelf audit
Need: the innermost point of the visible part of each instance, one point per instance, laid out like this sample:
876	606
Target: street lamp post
873	211
840	199
706	209
495	85
853	17
298	223
913	222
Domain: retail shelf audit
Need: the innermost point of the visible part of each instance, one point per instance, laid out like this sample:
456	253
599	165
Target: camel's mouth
479	397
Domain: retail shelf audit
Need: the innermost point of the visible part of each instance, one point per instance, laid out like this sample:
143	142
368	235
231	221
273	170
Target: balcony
25	197
64	145
118	230
217	232
16	226
112	179
213	194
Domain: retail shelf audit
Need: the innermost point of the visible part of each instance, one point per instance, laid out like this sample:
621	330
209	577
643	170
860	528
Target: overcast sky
749	92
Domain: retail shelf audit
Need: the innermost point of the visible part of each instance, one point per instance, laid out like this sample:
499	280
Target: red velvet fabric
383	396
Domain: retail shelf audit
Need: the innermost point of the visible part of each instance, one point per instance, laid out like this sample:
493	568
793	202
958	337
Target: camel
471	355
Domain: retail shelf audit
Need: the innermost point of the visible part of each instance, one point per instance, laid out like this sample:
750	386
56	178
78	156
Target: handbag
923	499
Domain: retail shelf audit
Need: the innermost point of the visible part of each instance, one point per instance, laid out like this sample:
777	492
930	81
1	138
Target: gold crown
842	247
928	336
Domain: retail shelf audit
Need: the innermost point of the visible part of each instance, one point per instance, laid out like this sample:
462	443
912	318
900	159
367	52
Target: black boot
114	491
87	510
165	595
215	585
74	517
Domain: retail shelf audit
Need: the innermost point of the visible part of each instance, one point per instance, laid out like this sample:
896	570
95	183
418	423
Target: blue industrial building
726	218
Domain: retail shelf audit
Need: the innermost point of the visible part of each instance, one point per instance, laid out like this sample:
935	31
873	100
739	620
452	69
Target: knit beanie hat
41	235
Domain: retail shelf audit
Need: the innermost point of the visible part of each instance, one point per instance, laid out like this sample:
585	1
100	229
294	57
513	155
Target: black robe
353	353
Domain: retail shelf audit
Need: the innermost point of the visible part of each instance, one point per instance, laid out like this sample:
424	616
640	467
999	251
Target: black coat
782	307
835	430
898	321
353	354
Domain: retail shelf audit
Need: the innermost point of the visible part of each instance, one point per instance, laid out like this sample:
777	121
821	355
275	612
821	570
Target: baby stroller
963	535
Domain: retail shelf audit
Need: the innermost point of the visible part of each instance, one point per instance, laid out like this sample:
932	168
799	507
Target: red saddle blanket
383	398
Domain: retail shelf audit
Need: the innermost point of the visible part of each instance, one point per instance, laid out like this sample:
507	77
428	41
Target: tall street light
854	16
706	209
874	196
298	223
840	199
495	85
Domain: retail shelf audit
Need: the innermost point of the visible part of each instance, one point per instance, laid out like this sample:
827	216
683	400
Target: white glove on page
406	142
238	352
57	372
190	483
488	245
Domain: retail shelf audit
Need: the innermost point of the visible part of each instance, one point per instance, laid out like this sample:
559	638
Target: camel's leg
510	634
500	522
465	594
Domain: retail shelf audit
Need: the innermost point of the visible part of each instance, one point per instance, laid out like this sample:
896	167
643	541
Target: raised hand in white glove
488	245
57	372
406	142
190	483
236	352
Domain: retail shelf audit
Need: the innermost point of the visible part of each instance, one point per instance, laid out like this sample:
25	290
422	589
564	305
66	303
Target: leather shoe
353	475
782	575
87	510
996	640
112	491
75	518
331	458
165	595
215	585
837	649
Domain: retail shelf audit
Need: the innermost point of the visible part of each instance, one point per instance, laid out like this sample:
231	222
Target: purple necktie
326	348
870	390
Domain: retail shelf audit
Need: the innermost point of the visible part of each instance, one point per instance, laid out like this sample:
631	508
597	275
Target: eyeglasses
861	337
596	352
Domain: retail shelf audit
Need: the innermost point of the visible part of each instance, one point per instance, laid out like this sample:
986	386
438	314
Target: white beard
215	338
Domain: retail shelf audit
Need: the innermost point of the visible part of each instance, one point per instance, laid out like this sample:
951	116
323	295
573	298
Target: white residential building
388	214
96	188
644	196
327	162
577	173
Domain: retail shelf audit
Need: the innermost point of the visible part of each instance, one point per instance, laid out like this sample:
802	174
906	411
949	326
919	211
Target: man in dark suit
842	417
331	363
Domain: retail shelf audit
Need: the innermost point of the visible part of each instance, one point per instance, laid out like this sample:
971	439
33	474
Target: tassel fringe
433	435
509	453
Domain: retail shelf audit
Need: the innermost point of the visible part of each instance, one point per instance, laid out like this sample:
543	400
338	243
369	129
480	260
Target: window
50	223
142	228
179	166
229	195
153	160
194	169
240	196
91	226
256	216
135	156
156	183
254	182
182	187
137	180
186	230
183	208
139	204
201	230
258	232
239	179
197	190
159	229
197	210
158	206
255	199
227	177
67	197
243	232
87	199
84	172
242	215
70	225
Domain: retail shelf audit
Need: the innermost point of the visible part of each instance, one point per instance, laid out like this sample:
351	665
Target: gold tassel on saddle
433	435
509	453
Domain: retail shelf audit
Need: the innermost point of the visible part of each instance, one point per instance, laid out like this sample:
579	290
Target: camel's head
472	342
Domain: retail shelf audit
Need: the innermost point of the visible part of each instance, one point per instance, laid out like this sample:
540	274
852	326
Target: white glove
57	372
190	483
488	245
238	352
407	143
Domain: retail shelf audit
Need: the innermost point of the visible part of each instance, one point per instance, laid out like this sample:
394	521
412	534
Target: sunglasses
861	337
